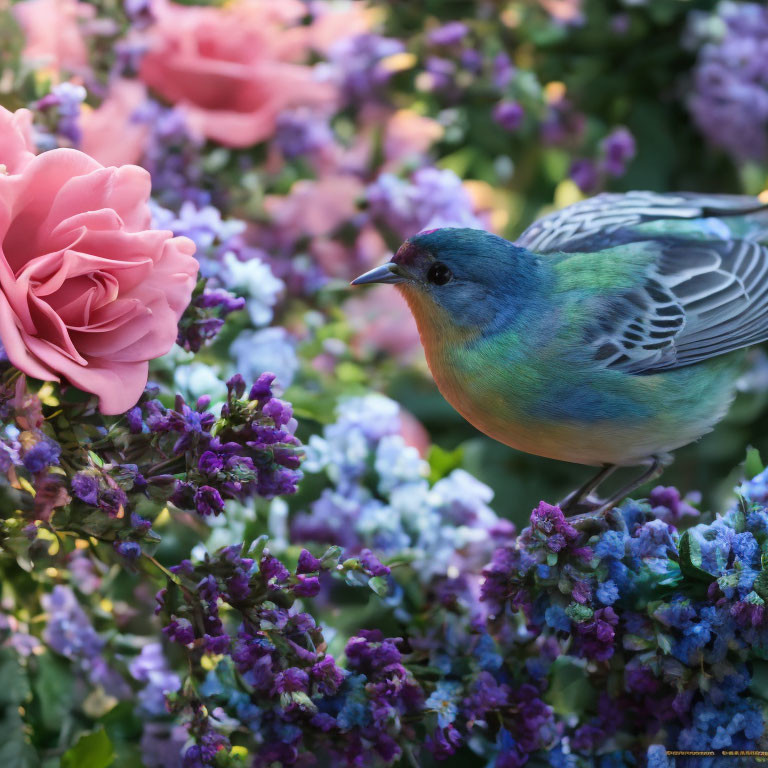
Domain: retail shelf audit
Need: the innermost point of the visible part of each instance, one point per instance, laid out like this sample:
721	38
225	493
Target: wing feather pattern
700	298
605	214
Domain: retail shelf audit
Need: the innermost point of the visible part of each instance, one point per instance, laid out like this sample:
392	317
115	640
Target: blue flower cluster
446	527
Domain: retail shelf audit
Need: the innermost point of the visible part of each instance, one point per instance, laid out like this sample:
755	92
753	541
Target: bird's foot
573	505
598	519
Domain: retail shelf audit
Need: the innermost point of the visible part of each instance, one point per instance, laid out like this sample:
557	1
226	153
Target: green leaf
53	686
761	584
570	691
753	465
378	585
14	684
579	613
690	559
15	748
93	750
442	462
759	683
331	556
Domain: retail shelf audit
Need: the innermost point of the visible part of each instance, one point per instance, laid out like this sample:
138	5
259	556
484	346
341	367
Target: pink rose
117	110
334	22
233	69
316	207
87	292
52	32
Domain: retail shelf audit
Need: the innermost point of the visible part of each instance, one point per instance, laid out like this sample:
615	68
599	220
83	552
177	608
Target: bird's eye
439	274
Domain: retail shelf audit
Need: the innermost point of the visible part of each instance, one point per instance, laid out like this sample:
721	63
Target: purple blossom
271	568
432	198
372	564
596	635
729	98
357	62
86	488
301	132
41	455
448	34
670	506
307	562
130	550
205	316
180	631
618	148
208	501
585	175
326	676
549	524
291	680
308	586
509	115
279	411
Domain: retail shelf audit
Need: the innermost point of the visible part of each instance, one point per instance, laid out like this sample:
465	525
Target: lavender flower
301	132
729	100
509	115
358	64
433	198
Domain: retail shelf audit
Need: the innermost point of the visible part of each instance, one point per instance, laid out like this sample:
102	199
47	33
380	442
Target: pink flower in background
117	110
233	69
334	22
316	207
87	292
414	433
382	322
408	137
17	148
52	32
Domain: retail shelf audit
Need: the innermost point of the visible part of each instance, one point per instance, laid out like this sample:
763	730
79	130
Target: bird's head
465	278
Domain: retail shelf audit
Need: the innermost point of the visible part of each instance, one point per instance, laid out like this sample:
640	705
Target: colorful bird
611	333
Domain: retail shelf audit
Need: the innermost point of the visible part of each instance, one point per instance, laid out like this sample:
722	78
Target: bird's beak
386	273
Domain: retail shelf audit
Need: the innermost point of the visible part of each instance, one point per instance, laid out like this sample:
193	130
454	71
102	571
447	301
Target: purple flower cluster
152	455
61	110
205	316
729	100
294	695
594	591
70	633
172	156
249	450
301	132
432	198
357	64
28	449
617	150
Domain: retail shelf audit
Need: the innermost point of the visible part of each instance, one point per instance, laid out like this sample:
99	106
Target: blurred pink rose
335	22
381	321
565	11
408	137
414	433
116	113
52	32
316	207
233	69
87	292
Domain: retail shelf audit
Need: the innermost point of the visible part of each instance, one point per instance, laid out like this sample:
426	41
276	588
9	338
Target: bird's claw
572	505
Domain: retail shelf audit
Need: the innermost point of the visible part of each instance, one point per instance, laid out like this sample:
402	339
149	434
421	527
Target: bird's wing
697	299
591	224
